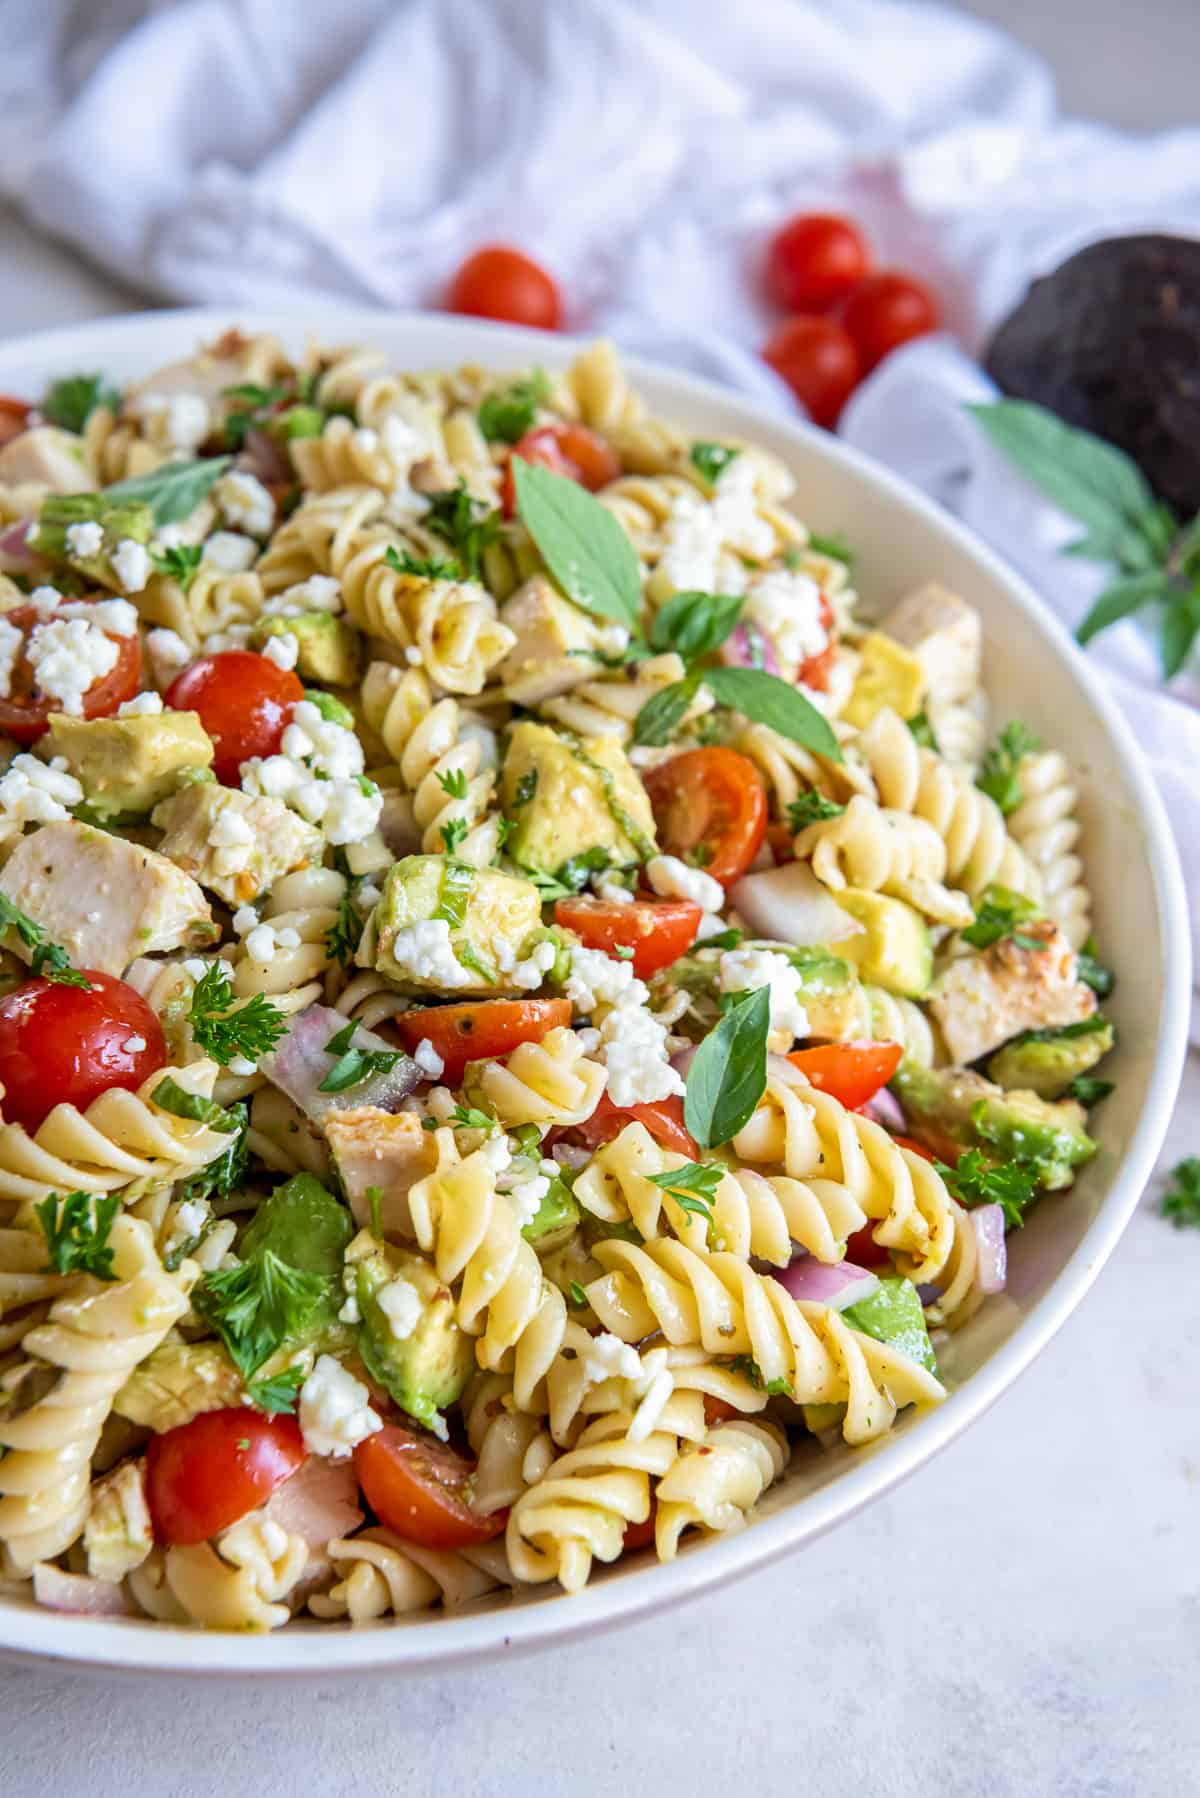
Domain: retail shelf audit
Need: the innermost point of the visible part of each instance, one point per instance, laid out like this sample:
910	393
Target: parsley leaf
77	1230
429	568
692	1186
453	833
222	1175
179	562
278	1393
812	808
506	416
49	960
728	1075
453	782
748	1368
710	460
257	1305
976	1181
465	523
1001	913
578	1295
999	771
1093	973
345	933
922	731
463	1117
353	1066
251	1030
1181	1202
69	403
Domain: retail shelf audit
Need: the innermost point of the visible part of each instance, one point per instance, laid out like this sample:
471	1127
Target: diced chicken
218	854
232	360
944	634
541	663
983	1000
47	457
106	900
389	1150
318	1503
118	1534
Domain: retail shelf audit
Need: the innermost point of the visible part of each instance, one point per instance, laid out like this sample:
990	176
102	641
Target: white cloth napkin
251	153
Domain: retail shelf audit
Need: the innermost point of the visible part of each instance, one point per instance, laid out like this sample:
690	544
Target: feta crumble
11	641
673	879
86	539
335	1410
786	607
283	650
168	655
174	421
68	656
400	1303
428	1059
608	1358
634	1047
142	705
131	564
230	551
598	979
319	593
423	951
133	1045
748	970
245	504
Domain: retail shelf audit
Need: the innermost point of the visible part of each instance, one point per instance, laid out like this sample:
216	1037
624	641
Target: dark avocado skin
1111	343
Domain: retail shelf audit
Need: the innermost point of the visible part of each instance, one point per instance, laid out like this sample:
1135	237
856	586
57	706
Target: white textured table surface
1023	1618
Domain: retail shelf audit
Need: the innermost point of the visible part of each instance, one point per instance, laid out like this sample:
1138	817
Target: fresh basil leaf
168	1095
661	716
174	491
69	403
77	1232
694	624
710	460
728	1075
766	699
1120	599
580	542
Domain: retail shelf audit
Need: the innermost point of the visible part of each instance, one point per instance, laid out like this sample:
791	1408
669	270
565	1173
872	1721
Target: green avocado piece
126	765
952	1108
830	989
329	649
427	1368
568	797
1046	1061
117	518
490	918
556	1216
893	1314
895	950
303	1224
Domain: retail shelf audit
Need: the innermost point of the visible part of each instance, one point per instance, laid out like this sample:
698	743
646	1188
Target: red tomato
66	1044
862	1250
24	712
499	282
639	1535
710	808
244	701
852	1072
813	261
815	670
203	1476
818	359
658	931
717	1410
917	1148
663	1118
885	311
421	1489
14	417
569	450
481	1031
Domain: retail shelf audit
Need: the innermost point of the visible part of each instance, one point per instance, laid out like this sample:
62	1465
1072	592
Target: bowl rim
439	1643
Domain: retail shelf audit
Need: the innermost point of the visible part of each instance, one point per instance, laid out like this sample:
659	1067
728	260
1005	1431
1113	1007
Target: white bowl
1033	671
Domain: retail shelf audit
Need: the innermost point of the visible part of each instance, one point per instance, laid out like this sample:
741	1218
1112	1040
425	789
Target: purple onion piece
738	651
78	1593
300	1061
885	1109
265	458
838	1285
987	1221
14	548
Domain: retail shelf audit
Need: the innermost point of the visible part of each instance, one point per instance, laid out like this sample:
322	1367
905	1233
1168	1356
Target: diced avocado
117	518
550	655
303	1224
118	1534
893	1314
129	764
1046	1061
895	950
486	920
334	711
952	1108
571	796
297	421
328	649
413	1346
178	1381
888	675
820	1418
829	988
556	1217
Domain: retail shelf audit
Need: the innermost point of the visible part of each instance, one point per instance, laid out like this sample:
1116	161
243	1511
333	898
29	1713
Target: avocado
569	796
117	518
303	1224
1046	1061
329	649
888	675
829	988
129	764
555	1219
489	919
427	1366
893	1314
895	950
952	1108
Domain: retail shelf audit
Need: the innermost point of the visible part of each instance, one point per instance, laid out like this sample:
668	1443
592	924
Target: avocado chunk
893	1314
1046	1061
829	988
128	764
118	519
178	1381
409	1338
328	649
895	950
556	1217
303	1224
888	675
952	1108
443	927
571	797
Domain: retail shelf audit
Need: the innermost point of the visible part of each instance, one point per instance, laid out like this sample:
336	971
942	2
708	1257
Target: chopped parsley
1093	973
168	1095
226	1171
429	568
257	1305
50	960
710	460
179	563
578	1295
345	933
1087	1090
1181	1201
1001	914
976	1181
999	773
465	522
77	1229
505	417
835	547
454	782
453	834
278	1393
251	1030
749	1369
463	1117
812	808
69	403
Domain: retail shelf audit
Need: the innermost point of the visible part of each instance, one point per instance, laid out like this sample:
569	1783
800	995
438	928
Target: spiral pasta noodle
1047	828
551	1083
215	601
512	1448
383	1576
241	1582
883	852
114	448
433	752
713	1491
298	974
609	707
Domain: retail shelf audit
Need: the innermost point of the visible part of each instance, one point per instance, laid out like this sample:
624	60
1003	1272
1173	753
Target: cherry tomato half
639	1535
566	449
663	1118
500	282
25	712
813	261
14	417
658	931
203	1476
244	702
852	1072
862	1250
480	1032
818	359
814	670
421	1489
66	1044
710	808
885	311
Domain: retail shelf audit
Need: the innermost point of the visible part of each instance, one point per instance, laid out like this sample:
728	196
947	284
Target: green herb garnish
710	460
1001	913
258	1305
179	563
174	491
1181	1201
465	522
976	1181
428	568
345	933
168	1095
506	416
999	770
251	1030
812	808
77	1229
728	1075
353	1066
580	542
922	732
69	403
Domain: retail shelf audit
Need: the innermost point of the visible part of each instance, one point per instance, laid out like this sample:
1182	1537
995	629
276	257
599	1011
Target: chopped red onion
318	1502
987	1221
738	651
885	1109
569	1154
77	1592
264	457
838	1285
682	1059
15	552
300	1061
788	904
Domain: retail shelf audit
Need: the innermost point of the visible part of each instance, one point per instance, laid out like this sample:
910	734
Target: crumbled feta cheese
319	593
142	705
786	607
133	1045
244	920
530	973
350	1313
673	879
311	746
242	1066
195	966
332	748
740	525
232	839
168	654
497	1152
45	599
335	1410
85	539
350	814
611	891
191	1217
230	551
608	1358
598	979
131	564
260	943
635	1054
691	545
527	1196
283	650
245	503
428	1059
400	1303
367	896
174	421
116	616
68	656
236	637
422	950
747	970
11	642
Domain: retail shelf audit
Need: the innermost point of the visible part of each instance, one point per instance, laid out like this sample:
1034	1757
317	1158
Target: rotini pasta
884	852
1046	827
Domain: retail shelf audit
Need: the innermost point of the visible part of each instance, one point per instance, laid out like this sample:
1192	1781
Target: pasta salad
520	1011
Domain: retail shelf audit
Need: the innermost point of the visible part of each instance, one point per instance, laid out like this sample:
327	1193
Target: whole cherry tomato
658	931
818	359
67	1044
710	808
500	282
813	261
244	702
421	1489
25	711
483	1031
203	1476
885	311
